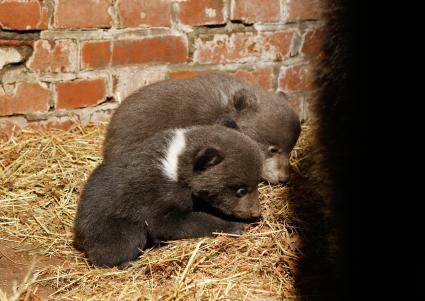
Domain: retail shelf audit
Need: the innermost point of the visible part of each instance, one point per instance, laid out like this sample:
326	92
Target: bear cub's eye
273	150
242	191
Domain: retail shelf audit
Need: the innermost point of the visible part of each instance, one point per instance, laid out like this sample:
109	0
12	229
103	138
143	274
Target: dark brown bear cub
148	195
210	98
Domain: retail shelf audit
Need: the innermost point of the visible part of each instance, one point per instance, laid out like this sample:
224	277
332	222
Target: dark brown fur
210	98
131	202
337	172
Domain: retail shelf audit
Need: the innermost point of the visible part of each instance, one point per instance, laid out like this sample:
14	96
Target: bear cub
151	194
210	98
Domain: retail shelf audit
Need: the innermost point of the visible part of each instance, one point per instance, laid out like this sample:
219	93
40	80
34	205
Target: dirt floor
17	262
41	176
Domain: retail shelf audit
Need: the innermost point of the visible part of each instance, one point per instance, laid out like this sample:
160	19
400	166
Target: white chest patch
170	162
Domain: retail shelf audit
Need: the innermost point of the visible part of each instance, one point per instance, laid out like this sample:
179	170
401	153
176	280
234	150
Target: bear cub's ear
207	158
244	99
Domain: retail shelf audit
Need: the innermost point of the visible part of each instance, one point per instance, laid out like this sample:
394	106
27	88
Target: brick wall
65	62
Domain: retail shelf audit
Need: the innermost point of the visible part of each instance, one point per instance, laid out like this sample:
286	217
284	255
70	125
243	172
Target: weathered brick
303	10
277	45
128	81
255	11
213	50
261	76
17	74
11	125
20	15
53	56
296	101
313	43
99	116
297	78
136	13
95	115
80	93
83	14
61	123
164	49
202	12
28	98
96	54
243	47
183	74
15	43
9	55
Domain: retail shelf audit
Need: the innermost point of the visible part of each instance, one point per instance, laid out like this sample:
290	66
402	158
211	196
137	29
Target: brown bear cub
210	98
152	193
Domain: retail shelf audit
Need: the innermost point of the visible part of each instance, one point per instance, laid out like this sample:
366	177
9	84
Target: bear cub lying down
149	195
210	98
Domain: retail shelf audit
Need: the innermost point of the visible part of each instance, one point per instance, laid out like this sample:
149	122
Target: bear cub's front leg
192	225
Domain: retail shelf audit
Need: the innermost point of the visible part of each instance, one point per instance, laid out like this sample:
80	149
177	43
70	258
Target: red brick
53	56
10	126
28	98
183	74
201	12
124	82
15	43
61	123
96	54
278	43
297	78
303	10
313	43
135	13
211	50
80	93
243	47
165	49
262	77
83	14
253	11
28	15
296	102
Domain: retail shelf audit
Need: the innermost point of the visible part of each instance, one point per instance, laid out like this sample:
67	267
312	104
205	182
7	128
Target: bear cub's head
268	119
223	168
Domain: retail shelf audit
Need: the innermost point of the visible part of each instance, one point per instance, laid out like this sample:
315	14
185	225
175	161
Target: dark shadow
324	196
315	274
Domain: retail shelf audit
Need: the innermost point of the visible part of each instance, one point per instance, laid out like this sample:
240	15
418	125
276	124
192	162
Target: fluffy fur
338	169
212	97
165	189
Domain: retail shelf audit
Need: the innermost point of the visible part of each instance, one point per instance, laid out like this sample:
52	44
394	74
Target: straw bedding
41	176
